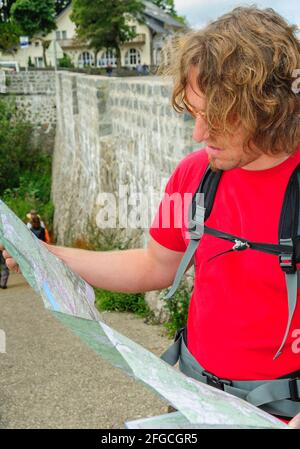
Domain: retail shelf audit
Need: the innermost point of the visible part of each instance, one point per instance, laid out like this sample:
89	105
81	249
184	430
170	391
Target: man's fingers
10	262
6	255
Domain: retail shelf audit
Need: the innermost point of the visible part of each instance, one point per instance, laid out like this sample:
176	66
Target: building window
58	35
39	61
132	57
85	59
107	58
37	44
64	35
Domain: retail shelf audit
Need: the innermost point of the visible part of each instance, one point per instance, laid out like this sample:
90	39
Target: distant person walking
4	275
32	216
139	69
109	70
37	228
145	69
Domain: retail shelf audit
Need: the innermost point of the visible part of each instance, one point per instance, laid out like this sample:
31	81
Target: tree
169	7
166	5
60	5
35	14
9	32
5	9
35	17
9	37
16	150
104	24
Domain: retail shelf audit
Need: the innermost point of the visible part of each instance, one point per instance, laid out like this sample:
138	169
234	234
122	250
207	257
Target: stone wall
113	135
35	98
3	87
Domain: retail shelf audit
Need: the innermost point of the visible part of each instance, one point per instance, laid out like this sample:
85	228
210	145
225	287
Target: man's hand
295	422
10	262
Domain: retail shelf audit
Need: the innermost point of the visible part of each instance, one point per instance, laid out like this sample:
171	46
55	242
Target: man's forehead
192	85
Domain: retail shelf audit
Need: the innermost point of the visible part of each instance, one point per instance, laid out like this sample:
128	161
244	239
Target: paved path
50	379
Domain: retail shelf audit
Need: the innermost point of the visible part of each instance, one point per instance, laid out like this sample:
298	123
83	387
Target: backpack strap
288	234
199	210
276	396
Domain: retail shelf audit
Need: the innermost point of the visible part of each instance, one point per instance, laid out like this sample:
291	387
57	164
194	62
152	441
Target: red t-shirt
238	310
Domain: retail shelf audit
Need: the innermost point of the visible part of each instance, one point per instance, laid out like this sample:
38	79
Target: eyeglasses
192	111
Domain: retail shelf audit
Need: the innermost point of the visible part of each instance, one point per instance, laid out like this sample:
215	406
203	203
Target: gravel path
50	379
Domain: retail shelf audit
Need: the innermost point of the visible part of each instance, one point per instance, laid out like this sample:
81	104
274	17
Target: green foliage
60	5
9	37
16	152
25	173
65	62
108	240
105	24
34	16
122	302
33	192
177	308
5	10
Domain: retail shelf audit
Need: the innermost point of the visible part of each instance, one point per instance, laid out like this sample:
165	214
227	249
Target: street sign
24	41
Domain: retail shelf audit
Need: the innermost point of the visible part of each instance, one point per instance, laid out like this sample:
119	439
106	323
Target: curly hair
246	62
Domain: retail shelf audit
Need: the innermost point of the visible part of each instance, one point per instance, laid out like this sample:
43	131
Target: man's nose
201	132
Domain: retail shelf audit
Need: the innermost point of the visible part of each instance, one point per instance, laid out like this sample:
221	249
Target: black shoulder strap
208	185
289	223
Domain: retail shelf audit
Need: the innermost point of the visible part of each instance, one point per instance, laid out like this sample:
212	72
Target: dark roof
154	25
154	12
68	6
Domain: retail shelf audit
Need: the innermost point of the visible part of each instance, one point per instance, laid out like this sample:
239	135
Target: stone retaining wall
35	98
113	133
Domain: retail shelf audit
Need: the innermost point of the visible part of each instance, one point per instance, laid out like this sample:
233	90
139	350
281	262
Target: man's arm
133	270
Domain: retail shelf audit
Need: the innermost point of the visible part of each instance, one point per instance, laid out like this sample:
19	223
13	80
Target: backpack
280	396
287	250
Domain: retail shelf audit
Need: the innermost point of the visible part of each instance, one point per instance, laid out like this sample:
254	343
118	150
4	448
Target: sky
199	12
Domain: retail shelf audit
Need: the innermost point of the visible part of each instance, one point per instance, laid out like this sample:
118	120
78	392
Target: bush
30	63
122	302
65	62
16	151
108	240
177	308
25	172
33	192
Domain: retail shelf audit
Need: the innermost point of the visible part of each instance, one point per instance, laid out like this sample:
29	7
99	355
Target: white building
143	49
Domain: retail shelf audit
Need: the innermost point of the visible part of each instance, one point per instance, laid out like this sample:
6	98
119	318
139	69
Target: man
235	77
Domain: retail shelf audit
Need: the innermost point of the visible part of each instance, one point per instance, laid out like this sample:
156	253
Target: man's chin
216	164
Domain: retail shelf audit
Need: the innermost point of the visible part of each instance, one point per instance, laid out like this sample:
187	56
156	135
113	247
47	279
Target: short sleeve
170	222
166	227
